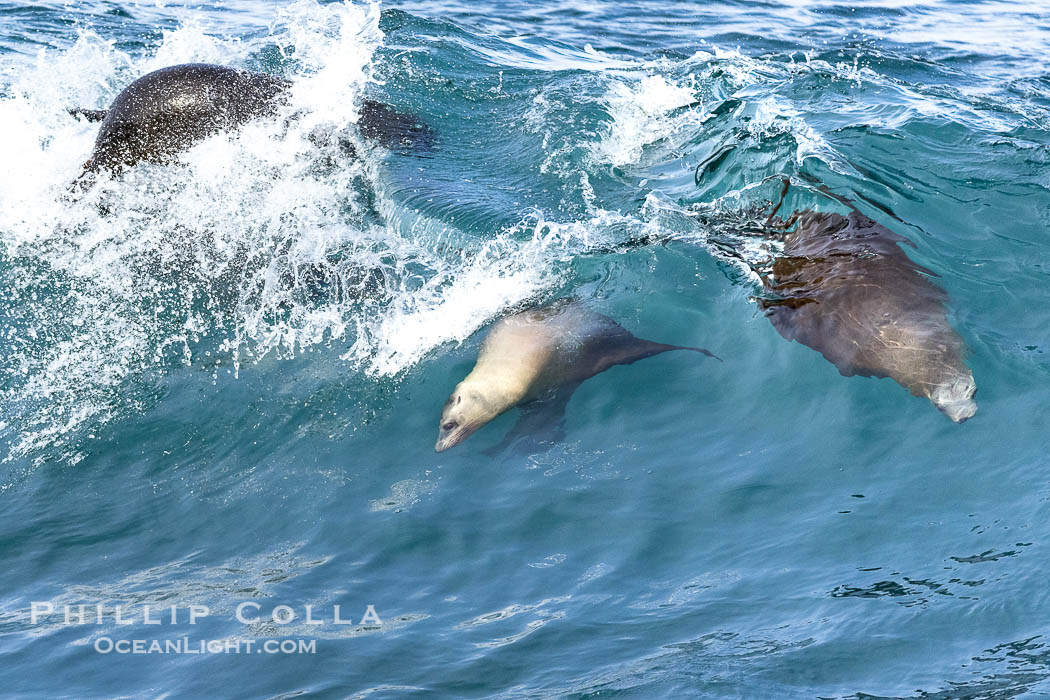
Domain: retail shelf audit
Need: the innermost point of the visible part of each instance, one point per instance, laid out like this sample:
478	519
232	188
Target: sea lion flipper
627	349
702	351
615	345
92	115
540	422
393	129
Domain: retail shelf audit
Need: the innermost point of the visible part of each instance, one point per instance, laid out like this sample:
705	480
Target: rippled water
221	379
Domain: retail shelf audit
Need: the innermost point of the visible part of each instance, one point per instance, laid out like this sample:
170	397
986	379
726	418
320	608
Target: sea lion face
466	410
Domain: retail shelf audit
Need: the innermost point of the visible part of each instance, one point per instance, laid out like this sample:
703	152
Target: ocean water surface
221	379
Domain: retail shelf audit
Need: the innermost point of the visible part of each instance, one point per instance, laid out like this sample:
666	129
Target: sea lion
844	287
540	355
165	112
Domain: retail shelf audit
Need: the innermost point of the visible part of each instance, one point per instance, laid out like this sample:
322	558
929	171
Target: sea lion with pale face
540	355
844	287
169	110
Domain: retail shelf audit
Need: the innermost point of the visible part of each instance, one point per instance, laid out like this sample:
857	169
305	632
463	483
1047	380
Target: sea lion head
467	409
955	398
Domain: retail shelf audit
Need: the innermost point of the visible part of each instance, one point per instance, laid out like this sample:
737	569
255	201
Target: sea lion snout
464	413
955	400
449	435
451	432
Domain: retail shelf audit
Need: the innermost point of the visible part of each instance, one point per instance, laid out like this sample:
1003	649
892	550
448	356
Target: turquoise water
206	402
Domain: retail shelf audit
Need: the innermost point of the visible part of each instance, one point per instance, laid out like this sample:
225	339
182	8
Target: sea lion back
169	110
846	288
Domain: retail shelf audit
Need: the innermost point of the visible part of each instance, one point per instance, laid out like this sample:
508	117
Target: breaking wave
294	235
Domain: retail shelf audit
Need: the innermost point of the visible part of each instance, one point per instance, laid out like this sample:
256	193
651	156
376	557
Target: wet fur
169	110
541	354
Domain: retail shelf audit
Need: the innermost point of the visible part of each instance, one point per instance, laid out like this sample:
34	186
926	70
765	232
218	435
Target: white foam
525	53
648	106
773	116
639	112
456	302
191	43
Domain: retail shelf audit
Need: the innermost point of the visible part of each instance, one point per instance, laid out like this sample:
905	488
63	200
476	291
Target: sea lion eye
451	425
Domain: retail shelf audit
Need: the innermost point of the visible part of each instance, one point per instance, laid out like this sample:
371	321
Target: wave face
221	378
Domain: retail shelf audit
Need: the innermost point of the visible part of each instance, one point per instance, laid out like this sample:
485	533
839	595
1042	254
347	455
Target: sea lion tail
92	115
702	351
632	349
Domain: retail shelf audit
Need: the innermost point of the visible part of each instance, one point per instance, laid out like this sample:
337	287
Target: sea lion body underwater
538	355
844	287
169	110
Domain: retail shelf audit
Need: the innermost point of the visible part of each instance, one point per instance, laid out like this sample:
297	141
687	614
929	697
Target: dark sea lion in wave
169	110
844	287
536	359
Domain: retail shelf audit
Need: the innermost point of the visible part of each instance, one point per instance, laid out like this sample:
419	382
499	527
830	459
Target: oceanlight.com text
185	645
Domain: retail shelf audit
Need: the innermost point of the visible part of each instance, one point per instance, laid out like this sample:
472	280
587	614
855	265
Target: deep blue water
187	418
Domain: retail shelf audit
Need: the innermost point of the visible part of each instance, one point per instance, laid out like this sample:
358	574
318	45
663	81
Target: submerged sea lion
165	112
539	355
845	288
